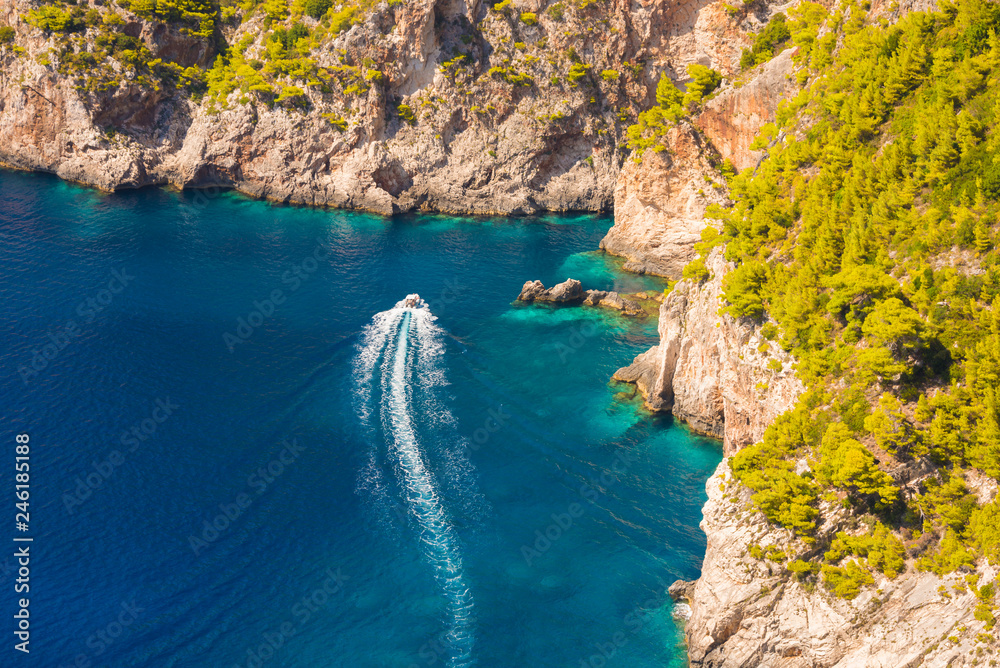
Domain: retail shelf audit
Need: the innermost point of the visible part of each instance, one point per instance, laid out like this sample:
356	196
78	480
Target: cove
467	489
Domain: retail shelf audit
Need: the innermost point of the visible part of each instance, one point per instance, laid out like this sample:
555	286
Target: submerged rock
615	301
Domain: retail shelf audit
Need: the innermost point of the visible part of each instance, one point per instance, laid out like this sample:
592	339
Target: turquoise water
244	453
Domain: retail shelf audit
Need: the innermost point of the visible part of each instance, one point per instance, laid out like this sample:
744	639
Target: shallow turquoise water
562	510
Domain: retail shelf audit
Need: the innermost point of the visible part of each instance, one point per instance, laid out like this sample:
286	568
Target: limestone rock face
475	142
660	205
715	372
733	118
745	613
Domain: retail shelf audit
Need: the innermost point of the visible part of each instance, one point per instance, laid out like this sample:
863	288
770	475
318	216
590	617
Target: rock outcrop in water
571	291
445	105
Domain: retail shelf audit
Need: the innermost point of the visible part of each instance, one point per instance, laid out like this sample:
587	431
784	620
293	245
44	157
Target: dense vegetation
767	43
281	53
277	72
671	105
865	245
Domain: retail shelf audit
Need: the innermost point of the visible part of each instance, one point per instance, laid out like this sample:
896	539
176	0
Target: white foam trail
437	534
373	342
404	369
371	481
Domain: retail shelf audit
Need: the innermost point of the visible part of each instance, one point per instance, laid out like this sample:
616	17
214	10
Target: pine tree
667	94
704	81
983	240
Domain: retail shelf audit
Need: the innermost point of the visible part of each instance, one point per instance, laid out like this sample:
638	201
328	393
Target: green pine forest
865	245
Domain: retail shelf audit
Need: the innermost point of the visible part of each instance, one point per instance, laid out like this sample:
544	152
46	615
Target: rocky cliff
451	105
721	375
717	373
660	203
748	612
732	119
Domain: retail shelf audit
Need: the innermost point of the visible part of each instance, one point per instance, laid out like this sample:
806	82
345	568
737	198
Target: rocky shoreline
422	129
719	374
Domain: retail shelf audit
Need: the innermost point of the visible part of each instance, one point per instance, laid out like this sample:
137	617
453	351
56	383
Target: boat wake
398	368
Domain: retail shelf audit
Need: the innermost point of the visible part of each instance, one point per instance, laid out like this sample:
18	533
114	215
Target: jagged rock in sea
571	291
615	301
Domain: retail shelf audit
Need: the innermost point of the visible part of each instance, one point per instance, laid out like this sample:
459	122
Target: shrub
576	72
556	11
337	121
276	10
704	81
344	19
895	326
846	463
881	548
609	75
529	18
6	35
742	289
406	113
55	19
293	96
767	43
846	582
317	8
950	555
667	94
783	496
696	270
890	428
801	568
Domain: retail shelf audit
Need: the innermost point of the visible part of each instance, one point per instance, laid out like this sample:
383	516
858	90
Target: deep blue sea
244	453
